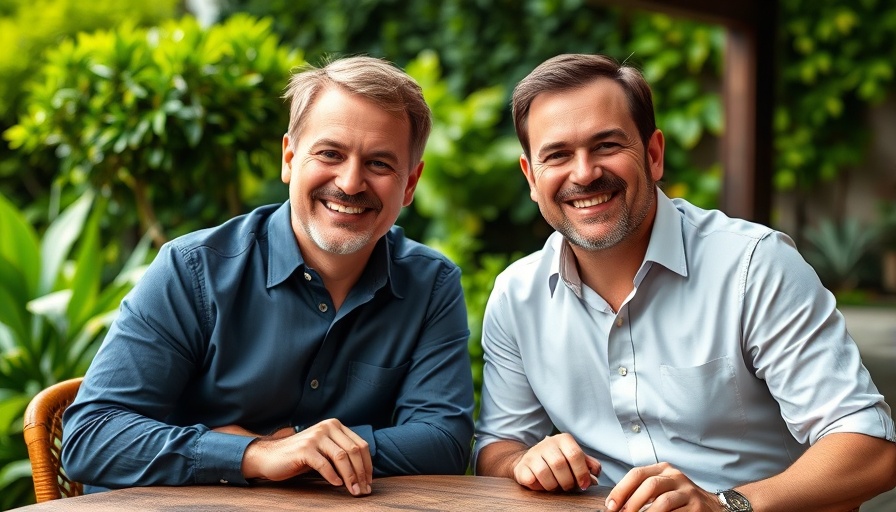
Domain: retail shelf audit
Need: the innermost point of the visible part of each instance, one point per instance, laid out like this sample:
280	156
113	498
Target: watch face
736	502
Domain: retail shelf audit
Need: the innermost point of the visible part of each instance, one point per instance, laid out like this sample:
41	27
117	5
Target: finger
653	490
341	460
357	453
578	464
525	477
366	459
594	467
321	464
623	490
567	473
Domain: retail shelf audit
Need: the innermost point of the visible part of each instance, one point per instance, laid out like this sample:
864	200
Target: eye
556	158
329	154
606	147
379	166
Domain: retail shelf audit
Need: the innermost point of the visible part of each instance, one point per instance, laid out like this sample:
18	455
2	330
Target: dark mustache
606	183
361	200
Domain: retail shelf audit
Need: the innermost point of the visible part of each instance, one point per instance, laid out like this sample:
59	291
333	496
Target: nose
351	178
585	168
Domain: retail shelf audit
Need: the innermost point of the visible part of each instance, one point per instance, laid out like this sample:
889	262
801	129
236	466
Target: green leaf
88	269
59	238
13	471
18	248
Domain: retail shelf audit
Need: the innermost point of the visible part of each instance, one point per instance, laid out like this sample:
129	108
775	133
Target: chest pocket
702	404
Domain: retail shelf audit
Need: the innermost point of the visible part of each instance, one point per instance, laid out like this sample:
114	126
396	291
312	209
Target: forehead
596	106
353	119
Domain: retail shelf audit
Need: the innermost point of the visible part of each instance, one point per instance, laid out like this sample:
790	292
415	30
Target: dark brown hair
570	71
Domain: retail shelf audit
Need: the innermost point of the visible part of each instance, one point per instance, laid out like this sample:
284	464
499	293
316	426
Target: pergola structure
747	91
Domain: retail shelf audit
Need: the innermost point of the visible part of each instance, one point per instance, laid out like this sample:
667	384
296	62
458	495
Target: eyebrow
601	135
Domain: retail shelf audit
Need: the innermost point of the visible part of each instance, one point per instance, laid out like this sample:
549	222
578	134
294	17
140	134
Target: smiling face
590	174
349	174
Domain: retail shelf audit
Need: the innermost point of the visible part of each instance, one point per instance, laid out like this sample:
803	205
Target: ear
286	162
655	154
411	186
530	176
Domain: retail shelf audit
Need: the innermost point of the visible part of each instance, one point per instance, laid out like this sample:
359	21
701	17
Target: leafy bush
54	311
182	121
27	29
482	45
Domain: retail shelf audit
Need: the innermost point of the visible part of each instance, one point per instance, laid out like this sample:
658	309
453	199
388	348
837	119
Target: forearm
117	449
499	458
838	473
419	448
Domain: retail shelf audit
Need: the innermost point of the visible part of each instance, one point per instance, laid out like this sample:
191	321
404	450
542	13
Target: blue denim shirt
229	326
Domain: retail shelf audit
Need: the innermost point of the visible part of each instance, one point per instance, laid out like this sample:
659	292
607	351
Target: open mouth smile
592	201
341	208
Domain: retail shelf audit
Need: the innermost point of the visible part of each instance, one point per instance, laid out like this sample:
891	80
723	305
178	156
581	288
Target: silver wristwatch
734	501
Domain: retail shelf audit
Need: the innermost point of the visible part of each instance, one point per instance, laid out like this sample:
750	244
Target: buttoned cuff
219	458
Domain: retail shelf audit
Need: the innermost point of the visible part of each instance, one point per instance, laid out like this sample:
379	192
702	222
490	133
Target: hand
662	487
330	448
556	462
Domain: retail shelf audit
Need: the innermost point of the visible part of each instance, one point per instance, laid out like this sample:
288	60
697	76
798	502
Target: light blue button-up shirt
727	360
229	326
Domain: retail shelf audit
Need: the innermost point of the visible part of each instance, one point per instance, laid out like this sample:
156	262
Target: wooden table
429	492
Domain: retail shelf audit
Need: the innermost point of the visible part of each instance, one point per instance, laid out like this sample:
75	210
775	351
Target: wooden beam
748	95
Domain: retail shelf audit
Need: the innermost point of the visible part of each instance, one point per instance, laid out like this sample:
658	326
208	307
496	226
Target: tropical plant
27	29
836	249
54	311
182	122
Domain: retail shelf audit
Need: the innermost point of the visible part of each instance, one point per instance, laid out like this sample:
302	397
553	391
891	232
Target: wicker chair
43	435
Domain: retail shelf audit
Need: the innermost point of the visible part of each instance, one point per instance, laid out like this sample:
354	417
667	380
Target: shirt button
636	428
307	276
623	371
314	384
322	307
619	322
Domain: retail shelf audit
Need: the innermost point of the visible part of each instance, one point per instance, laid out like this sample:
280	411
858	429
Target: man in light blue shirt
691	360
307	336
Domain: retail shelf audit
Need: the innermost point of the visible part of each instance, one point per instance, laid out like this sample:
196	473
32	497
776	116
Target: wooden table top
429	492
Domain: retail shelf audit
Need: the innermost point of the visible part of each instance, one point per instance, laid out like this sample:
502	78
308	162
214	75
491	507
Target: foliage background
169	126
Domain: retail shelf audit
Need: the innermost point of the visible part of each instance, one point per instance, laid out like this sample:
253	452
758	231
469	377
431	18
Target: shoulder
406	252
715	223
230	239
530	273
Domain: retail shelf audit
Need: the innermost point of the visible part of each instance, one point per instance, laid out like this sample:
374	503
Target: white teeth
344	209
585	203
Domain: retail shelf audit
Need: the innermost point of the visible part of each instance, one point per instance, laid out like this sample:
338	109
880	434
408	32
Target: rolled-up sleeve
799	344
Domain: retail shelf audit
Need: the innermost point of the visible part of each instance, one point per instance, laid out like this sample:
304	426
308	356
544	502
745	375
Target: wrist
733	501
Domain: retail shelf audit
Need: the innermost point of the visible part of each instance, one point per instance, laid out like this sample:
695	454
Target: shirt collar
666	247
667	237
284	255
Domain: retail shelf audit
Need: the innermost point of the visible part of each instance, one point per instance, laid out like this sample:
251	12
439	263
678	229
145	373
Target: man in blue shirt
691	360
308	336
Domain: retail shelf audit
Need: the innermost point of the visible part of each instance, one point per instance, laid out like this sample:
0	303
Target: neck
339	272
623	259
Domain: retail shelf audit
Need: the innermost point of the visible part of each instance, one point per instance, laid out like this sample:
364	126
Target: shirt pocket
701	404
376	376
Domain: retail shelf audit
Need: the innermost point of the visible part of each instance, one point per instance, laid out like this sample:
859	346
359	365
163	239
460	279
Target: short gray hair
374	79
